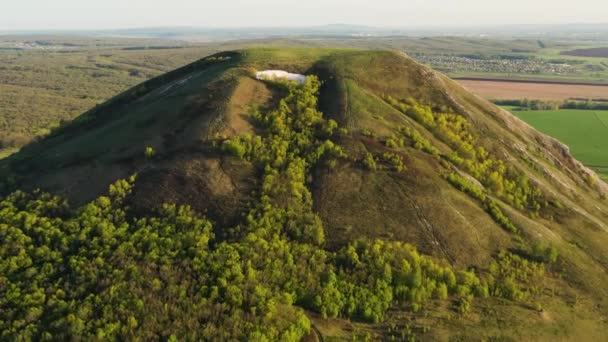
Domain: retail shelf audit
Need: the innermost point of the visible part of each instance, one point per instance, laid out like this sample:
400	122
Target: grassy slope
418	206
157	111
584	131
355	203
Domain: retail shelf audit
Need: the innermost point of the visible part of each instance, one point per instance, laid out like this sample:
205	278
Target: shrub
418	141
441	291
149	152
393	142
490	205
394	161
510	274
369	162
422	114
366	132
545	253
234	147
330	126
464	305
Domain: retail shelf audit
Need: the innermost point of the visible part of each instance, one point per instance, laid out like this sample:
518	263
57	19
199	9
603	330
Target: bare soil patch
501	90
248	94
593	52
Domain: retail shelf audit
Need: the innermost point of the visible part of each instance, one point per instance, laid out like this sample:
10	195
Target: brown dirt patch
593	52
248	94
219	188
517	90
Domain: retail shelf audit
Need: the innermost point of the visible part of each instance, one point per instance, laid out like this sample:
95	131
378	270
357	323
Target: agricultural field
502	90
584	131
592	52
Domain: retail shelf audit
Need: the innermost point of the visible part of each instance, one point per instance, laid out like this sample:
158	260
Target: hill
378	199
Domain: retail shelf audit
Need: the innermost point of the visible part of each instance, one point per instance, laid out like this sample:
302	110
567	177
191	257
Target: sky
112	14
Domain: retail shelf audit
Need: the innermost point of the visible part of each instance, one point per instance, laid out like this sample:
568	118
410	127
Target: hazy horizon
302	26
113	14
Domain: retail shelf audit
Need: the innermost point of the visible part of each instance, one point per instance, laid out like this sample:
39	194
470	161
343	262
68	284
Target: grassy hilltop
378	200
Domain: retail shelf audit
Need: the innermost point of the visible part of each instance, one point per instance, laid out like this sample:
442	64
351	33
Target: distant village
481	64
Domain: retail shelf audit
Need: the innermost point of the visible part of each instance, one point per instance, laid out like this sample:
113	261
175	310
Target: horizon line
302	26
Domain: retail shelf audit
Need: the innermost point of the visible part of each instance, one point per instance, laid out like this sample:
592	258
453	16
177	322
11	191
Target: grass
584	131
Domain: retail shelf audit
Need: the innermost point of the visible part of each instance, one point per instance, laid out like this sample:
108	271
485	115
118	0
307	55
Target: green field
584	131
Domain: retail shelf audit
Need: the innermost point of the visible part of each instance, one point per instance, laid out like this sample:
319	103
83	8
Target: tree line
527	104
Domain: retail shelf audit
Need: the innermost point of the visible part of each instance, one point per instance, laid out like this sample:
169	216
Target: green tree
149	152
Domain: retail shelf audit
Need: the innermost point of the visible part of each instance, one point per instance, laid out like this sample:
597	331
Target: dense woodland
98	271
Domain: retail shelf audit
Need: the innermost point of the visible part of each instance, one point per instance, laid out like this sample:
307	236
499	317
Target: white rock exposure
276	74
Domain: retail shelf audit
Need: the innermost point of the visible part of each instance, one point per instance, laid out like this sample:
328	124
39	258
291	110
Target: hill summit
372	197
